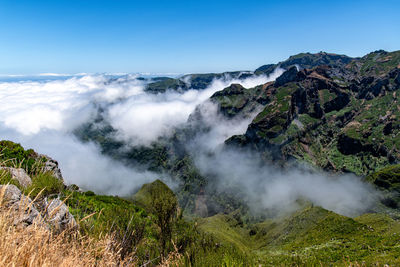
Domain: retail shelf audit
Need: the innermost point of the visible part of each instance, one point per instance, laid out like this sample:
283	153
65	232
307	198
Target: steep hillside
308	61
115	231
310	237
202	81
348	126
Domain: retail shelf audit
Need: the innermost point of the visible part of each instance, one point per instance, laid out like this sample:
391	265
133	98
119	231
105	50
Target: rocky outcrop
51	165
26	212
231	100
308	61
20	175
58	215
357	101
53	213
288	76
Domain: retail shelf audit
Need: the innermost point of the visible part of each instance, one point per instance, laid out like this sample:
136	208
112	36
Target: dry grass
36	245
173	259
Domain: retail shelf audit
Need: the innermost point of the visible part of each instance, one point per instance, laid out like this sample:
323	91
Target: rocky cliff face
346	122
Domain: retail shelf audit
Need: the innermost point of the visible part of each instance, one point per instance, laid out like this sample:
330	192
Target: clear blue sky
185	36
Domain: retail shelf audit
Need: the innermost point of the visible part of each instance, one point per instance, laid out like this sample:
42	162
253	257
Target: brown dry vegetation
37	245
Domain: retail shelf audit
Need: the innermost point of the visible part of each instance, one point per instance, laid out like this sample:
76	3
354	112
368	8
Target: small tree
164	205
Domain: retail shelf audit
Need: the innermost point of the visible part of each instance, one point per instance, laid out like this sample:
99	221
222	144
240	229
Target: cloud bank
269	188
42	114
143	118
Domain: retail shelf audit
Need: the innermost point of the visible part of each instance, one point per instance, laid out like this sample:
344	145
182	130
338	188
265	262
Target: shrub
46	182
13	154
130	225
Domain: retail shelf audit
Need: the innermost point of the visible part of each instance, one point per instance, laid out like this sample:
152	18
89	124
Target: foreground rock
58	215
22	205
20	175
52	212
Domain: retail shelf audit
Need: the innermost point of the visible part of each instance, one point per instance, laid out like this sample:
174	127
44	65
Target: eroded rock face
58	215
51	165
20	175
288	76
54	212
14	199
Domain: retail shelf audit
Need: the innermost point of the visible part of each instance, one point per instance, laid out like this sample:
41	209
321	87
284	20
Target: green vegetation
343	119
387	178
6	178
161	201
45	184
13	154
312	236
325	96
379	62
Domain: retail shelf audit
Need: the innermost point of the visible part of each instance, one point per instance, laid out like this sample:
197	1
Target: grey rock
26	213
58	215
20	175
51	165
11	193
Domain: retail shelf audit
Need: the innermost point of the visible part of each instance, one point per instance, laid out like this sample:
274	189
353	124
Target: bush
14	155
158	199
46	182
130	225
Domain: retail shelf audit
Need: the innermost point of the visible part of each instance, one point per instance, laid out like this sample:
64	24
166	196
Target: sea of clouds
42	114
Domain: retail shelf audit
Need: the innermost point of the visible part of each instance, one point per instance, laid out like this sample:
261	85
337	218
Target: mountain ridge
329	116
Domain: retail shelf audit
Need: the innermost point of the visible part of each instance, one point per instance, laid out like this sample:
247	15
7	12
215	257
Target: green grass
45	183
325	96
378	64
312	236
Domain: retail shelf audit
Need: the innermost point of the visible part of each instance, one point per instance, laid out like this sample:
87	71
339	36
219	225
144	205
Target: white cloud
269	187
41	115
30	107
82	164
143	118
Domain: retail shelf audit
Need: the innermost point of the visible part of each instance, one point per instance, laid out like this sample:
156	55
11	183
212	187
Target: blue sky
185	36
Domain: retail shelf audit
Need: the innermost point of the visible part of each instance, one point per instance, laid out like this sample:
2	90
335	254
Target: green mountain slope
349	125
312	236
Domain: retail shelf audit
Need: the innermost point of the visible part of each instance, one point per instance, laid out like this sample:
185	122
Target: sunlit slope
311	236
